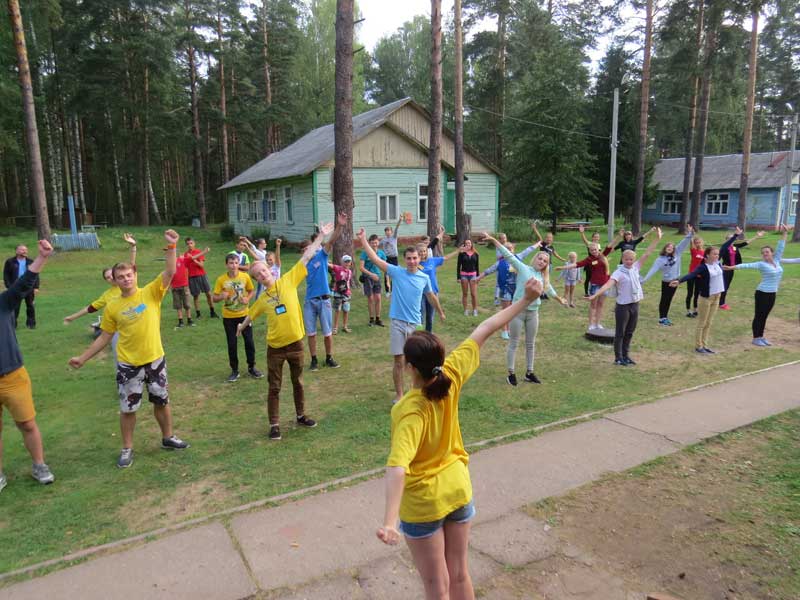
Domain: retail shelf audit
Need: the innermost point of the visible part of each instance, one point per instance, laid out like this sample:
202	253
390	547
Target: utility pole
789	177
612	184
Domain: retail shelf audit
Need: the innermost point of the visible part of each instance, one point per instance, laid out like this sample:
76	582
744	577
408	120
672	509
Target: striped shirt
771	273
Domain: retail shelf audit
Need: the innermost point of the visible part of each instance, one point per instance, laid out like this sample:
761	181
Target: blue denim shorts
593	287
418	531
318	308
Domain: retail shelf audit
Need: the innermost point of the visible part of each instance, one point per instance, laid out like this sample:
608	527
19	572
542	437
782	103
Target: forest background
146	107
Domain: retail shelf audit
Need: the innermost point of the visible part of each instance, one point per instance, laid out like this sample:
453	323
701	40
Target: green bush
518	229
227	233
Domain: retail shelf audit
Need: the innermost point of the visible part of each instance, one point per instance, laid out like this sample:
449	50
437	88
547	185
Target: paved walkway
324	546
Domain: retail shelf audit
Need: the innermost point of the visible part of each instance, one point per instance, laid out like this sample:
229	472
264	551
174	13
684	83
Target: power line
569	131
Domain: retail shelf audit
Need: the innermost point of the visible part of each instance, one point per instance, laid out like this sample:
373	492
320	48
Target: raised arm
397	227
455	252
171	236
684	243
757	236
509	256
312	248
724	248
376	260
779	248
341	223
536	231
533	289
278	243
131	241
657	264
649	250
582	231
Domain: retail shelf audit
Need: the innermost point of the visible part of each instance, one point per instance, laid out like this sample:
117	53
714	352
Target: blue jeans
426	308
420	531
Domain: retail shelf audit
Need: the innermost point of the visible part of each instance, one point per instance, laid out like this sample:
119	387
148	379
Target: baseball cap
347	258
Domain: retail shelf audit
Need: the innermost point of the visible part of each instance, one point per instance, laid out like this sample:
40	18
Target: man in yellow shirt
234	290
136	316
285	331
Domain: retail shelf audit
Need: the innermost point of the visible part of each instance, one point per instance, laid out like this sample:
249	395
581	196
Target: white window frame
389	217
675	201
288	204
420	196
270	197
240	213
717	198
793	204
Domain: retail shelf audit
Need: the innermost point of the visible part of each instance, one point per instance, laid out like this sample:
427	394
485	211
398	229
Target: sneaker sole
43	481
333	366
163	447
119	466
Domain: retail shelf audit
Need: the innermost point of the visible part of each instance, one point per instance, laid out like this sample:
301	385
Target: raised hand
362	235
327	228
761	234
659	233
128	237
341	219
45	249
689	228
581	228
738	231
278	242
171	236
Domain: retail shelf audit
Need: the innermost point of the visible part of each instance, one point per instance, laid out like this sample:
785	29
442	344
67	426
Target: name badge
280	309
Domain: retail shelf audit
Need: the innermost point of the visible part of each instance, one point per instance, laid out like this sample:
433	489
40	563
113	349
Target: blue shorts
593	287
318	308
418	531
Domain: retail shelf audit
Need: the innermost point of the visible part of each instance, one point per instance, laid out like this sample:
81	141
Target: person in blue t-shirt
409	284
317	304
428	265
371	279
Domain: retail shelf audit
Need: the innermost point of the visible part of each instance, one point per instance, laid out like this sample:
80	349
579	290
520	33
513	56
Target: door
450	207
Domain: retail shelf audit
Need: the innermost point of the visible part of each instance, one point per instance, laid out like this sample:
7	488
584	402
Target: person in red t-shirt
599	275
697	254
198	280
180	290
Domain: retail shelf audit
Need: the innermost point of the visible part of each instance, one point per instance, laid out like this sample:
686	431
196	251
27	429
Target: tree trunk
31	130
744	181
148	179
343	125
435	145
705	100
270	131
462	218
500	107
689	145
198	159
115	167
223	107
636	215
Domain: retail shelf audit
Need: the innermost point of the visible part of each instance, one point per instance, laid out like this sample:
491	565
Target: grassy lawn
232	462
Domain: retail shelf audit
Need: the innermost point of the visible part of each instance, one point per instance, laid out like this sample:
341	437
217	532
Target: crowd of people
428	491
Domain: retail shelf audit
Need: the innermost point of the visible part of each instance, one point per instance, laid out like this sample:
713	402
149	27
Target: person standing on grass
428	488
180	291
547	243
14	268
371	277
629	293
198	280
15	385
669	263
317	305
710	284
342	280
599	275
527	320
571	277
136	315
587	269
428	264
506	276
285	331
408	285
767	290
628	242
241	252
503	239
467	271
730	259
234	290
388	244
697	255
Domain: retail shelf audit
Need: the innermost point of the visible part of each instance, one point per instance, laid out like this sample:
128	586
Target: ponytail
425	352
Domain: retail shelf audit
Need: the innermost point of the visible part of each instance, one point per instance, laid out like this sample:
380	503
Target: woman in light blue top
771	272
669	263
528	319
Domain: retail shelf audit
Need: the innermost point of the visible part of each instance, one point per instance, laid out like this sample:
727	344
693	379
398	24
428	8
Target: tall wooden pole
31	129
638	198
744	180
343	125
435	145
463	225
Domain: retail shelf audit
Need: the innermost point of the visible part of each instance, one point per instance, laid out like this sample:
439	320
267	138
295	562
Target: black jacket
11	272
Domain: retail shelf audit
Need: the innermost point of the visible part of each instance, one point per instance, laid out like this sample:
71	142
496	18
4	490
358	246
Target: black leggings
230	325
392	260
764	303
587	273
667	292
692	292
727	277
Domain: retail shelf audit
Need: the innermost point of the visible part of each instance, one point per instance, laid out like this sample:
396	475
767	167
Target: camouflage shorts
131	381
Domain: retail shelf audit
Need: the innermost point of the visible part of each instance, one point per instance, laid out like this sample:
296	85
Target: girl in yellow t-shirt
428	487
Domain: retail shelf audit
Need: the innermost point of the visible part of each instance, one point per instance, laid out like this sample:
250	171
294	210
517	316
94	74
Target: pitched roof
767	170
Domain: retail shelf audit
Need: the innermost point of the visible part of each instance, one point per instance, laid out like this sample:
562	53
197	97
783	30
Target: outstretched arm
582	230
757	236
724	248
649	250
278	243
131	241
341	223
397	227
376	260
171	236
70	318
533	289
76	362
536	231
312	248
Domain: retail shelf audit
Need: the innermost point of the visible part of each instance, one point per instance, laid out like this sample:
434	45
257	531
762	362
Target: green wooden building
290	190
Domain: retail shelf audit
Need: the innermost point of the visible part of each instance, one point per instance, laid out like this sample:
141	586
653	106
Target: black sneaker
620	363
314	365
197	314
234	376
190	323
379	323
709	351
511	379
306	422
213	315
255	373
179	325
629	361
274	433
531	378
371	322
329	362
173	443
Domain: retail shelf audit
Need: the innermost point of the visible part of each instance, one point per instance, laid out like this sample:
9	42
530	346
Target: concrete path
324	547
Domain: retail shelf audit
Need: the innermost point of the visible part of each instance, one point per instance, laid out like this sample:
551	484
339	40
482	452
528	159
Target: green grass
231	462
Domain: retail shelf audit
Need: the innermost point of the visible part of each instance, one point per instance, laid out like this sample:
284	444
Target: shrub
260	233
227	233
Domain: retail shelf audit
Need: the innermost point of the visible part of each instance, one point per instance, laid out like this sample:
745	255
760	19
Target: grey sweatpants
529	321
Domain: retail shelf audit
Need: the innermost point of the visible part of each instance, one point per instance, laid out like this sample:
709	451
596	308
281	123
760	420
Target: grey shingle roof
767	170
311	150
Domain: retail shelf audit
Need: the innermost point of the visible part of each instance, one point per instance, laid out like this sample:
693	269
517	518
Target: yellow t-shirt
426	442
137	318
234	306
282	307
110	294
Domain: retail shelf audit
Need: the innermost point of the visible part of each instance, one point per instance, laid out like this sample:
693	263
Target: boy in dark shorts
198	280
180	291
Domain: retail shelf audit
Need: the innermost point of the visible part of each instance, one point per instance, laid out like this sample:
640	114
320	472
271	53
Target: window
388	208
269	206
793	205
251	207
239	212
716	204
422	202
288	206
672	204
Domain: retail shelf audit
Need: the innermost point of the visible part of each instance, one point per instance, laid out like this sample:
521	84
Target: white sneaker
592	326
388	294
475	313
599	326
466	313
